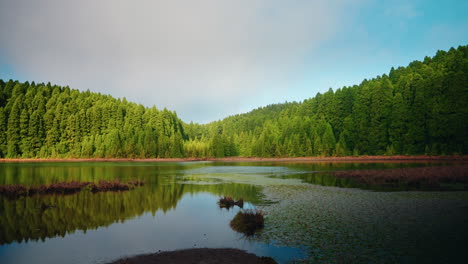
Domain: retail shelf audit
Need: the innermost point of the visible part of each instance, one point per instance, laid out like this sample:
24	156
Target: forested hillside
41	120
418	109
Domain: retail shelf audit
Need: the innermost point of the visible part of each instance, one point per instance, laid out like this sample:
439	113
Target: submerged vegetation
19	190
248	222
418	109
342	225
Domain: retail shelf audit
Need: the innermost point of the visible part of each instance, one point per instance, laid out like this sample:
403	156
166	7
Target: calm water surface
176	208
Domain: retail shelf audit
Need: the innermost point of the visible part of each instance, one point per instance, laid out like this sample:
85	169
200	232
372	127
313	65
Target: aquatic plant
14	191
426	178
248	222
228	202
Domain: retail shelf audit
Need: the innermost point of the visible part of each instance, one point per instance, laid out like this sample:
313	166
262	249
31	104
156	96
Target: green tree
3	135
381	105
13	131
328	140
25	143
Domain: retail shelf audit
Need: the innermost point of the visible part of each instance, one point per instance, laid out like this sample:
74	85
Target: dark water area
175	209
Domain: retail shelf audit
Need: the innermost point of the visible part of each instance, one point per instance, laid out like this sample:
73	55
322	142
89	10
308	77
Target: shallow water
176	208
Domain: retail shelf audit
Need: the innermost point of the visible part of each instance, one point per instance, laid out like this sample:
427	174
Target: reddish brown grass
399	158
415	178
19	190
228	202
248	222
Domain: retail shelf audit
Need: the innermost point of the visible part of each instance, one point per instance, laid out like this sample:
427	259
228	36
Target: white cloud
184	55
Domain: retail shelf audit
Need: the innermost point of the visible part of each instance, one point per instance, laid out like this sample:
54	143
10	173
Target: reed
18	190
428	178
228	202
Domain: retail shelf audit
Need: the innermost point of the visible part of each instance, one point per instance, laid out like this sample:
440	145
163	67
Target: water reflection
176	208
196	223
26	218
169	212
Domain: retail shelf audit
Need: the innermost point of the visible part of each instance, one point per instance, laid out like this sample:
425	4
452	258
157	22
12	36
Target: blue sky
208	59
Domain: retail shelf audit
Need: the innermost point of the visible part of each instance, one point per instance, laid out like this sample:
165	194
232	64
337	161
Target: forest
413	110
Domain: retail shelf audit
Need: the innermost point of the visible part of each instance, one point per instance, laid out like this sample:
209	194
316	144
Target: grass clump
14	191
437	178
228	202
248	222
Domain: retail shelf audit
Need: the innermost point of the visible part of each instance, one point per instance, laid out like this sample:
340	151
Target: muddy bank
199	255
254	159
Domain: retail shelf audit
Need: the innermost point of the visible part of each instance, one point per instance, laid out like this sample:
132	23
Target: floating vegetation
338	225
248	222
421	178
14	191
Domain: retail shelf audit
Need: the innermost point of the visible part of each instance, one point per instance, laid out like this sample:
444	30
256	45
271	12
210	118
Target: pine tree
3	135
328	141
398	123
25	142
341	148
381	103
13	131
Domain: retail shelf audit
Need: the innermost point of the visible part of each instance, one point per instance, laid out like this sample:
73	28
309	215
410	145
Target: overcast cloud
205	59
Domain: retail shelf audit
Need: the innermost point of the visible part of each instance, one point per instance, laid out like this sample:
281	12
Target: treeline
44	120
418	109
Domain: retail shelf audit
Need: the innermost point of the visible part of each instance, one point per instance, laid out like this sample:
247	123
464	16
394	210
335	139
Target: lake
310	215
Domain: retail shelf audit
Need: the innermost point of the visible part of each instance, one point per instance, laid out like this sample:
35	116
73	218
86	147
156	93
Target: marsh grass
424	178
14	191
248	222
228	202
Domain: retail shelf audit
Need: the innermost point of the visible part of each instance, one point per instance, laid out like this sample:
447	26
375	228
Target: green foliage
418	109
40	121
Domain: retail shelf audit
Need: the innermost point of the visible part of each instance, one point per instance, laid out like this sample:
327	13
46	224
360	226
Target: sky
208	59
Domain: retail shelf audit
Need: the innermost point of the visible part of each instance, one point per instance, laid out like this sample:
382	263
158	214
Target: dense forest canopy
418	109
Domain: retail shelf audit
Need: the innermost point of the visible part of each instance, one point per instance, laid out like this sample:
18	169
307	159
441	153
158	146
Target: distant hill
418	109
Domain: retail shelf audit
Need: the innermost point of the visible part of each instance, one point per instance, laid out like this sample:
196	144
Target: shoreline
399	158
197	255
